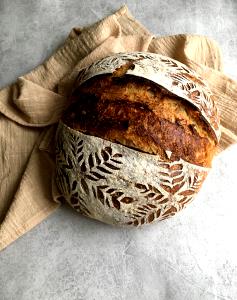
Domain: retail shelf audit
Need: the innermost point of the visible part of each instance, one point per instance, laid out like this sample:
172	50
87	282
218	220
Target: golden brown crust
139	114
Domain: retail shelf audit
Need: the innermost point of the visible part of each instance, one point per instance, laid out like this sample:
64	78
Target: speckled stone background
190	257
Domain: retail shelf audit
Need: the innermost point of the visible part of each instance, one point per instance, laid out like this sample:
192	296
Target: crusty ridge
139	114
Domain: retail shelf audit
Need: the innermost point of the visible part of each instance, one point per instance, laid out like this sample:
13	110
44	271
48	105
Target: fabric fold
25	213
185	47
41	107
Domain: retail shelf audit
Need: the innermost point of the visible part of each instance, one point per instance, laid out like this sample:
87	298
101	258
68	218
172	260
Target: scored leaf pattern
83	179
160	201
98	165
172	177
194	185
94	167
77	202
150	192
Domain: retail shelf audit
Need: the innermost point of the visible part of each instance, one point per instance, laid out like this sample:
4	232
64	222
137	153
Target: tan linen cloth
31	108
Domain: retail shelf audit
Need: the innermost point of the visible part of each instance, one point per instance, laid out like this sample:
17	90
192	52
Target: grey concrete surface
192	256
31	30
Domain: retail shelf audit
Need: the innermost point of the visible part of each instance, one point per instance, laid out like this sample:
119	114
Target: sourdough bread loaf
137	139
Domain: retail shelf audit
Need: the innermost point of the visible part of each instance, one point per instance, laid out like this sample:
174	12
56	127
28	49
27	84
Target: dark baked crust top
142	115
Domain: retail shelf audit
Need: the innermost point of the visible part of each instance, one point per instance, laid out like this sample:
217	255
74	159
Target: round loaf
137	140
